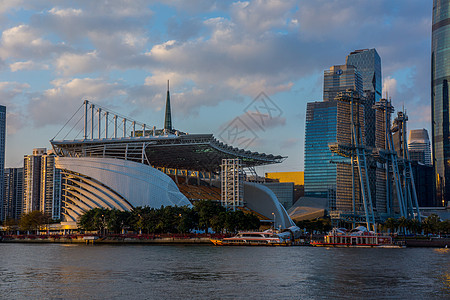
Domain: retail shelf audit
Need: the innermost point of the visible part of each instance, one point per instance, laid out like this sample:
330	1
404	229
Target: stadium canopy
200	152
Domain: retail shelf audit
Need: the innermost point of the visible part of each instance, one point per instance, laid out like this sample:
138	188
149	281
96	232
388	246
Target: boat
358	237
252	238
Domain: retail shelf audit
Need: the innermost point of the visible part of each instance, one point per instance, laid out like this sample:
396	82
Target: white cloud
56	105
67	12
27	65
71	63
390	87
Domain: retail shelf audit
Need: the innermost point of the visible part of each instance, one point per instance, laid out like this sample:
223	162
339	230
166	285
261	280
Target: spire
168	118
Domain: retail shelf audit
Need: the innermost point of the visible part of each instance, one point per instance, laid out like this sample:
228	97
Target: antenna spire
168	117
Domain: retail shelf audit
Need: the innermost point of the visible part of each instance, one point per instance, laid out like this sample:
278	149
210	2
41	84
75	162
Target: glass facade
339	79
2	155
368	64
320	130
440	76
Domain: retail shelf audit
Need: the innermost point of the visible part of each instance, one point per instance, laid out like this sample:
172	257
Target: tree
206	209
391	224
32	221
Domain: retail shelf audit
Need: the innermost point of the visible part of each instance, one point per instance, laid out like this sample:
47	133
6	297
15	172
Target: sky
247	67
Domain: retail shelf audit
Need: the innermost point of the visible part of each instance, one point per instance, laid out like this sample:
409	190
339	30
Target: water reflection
180	272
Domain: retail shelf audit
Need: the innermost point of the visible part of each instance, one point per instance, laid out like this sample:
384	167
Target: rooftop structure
419	146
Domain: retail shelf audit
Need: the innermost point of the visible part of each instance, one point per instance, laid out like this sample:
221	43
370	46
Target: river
77	271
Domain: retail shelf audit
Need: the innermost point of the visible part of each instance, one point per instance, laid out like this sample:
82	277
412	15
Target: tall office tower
320	130
419	146
383	188
339	79
2	154
12	205
32	180
440	76
50	200
368	64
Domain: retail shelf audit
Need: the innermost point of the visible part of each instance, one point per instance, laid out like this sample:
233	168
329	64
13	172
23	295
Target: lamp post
274	218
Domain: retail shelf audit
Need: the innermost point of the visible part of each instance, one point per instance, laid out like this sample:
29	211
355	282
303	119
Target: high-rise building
339	79
32	180
320	130
419	146
2	155
440	76
12	205
50	200
368	64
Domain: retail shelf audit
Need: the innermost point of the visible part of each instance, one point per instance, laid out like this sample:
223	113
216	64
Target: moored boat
250	238
358	237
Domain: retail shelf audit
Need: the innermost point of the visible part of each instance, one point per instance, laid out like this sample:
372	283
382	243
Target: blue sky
218	55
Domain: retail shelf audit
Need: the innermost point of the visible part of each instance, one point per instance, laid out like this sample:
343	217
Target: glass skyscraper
440	77
320	173
368	64
2	156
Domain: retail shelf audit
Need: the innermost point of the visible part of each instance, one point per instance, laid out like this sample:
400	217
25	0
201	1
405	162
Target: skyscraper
339	79
50	201
368	64
419	146
2	155
440	76
12	205
320	130
32	180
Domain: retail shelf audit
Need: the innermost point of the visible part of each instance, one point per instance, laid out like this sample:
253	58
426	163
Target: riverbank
116	239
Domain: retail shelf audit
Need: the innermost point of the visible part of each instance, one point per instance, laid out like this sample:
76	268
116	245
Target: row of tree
430	225
29	222
203	215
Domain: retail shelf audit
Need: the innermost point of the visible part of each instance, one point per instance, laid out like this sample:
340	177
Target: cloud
71	63
56	105
389	86
25	42
27	65
13	95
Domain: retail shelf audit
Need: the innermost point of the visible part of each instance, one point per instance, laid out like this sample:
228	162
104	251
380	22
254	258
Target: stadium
120	163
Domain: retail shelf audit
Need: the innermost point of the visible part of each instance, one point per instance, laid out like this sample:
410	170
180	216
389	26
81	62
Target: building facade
284	192
368	64
2	155
32	180
339	79
50	199
320	131
13	200
419	146
440	77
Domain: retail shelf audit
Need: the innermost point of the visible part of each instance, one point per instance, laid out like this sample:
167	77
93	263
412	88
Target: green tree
206	210
391	224
32	221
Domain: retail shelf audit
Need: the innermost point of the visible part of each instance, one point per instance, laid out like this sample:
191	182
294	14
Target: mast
168	117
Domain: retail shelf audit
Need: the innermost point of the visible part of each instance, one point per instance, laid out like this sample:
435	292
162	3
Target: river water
72	271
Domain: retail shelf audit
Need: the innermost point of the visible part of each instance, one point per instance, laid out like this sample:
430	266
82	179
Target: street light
274	218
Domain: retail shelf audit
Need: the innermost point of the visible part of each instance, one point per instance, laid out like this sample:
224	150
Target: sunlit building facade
339	79
440	77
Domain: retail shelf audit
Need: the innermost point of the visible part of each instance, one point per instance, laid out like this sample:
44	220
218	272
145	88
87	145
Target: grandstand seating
194	192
